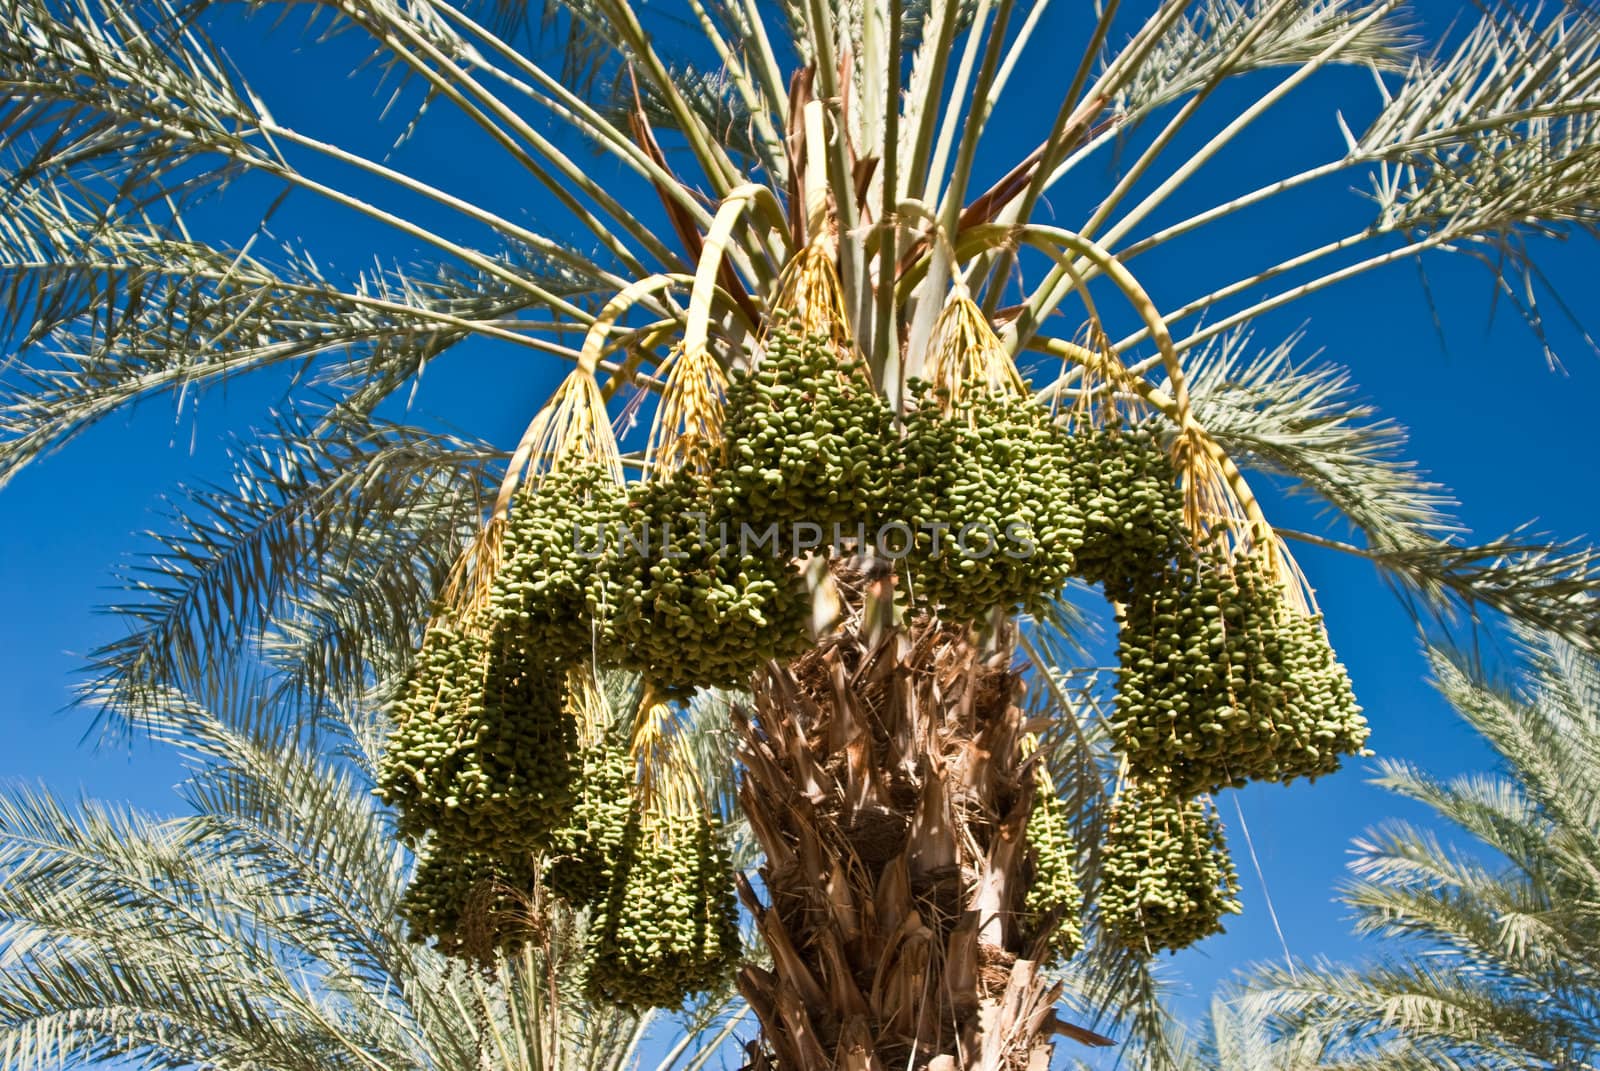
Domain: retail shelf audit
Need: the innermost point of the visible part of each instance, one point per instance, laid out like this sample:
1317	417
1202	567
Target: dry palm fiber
551	559
1221	680
1166	879
883	777
471	906
668	925
808	438
986	489
1053	898
482	752
688	608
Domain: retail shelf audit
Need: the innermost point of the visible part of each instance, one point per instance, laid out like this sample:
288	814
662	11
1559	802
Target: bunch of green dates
482	752
986	494
1127	492
584	851
471	906
1166	879
552	559
668	925
689	609
1053	897
809	439
1221	682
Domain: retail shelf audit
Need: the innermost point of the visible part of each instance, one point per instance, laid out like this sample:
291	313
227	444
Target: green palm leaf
260	929
1503	938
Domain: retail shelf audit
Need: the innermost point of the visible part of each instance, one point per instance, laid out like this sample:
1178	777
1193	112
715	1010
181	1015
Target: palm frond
1501	964
1221	38
1460	123
293	545
1532	580
1303	420
260	928
128	313
100	91
1446	1011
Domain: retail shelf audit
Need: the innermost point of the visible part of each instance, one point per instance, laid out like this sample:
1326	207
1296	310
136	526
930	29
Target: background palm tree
743	134
1239	1034
262	929
1230	1038
1501	967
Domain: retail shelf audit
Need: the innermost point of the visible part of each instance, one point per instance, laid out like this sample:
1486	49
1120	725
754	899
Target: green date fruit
1166	879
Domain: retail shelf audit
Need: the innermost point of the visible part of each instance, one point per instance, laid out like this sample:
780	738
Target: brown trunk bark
883	778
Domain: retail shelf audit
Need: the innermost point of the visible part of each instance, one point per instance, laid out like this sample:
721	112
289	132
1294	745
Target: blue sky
1512	437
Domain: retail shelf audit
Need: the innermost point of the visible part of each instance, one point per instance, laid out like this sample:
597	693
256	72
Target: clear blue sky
1513	438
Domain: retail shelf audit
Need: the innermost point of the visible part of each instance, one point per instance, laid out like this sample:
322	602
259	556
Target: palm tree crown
760	130
806	190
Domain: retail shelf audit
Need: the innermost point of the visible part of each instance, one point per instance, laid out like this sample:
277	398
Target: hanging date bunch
689	605
1226	674
668	925
1125	484
1053	902
1132	507
1166	879
551	561
481	754
809	437
471	906
986	490
431	735
584	849
689	610
483	760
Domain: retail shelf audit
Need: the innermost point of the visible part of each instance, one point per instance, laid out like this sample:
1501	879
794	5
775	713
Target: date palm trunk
884	780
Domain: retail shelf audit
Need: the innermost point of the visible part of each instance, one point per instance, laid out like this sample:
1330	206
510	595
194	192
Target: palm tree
755	145
261	929
1232	1038
1502	967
